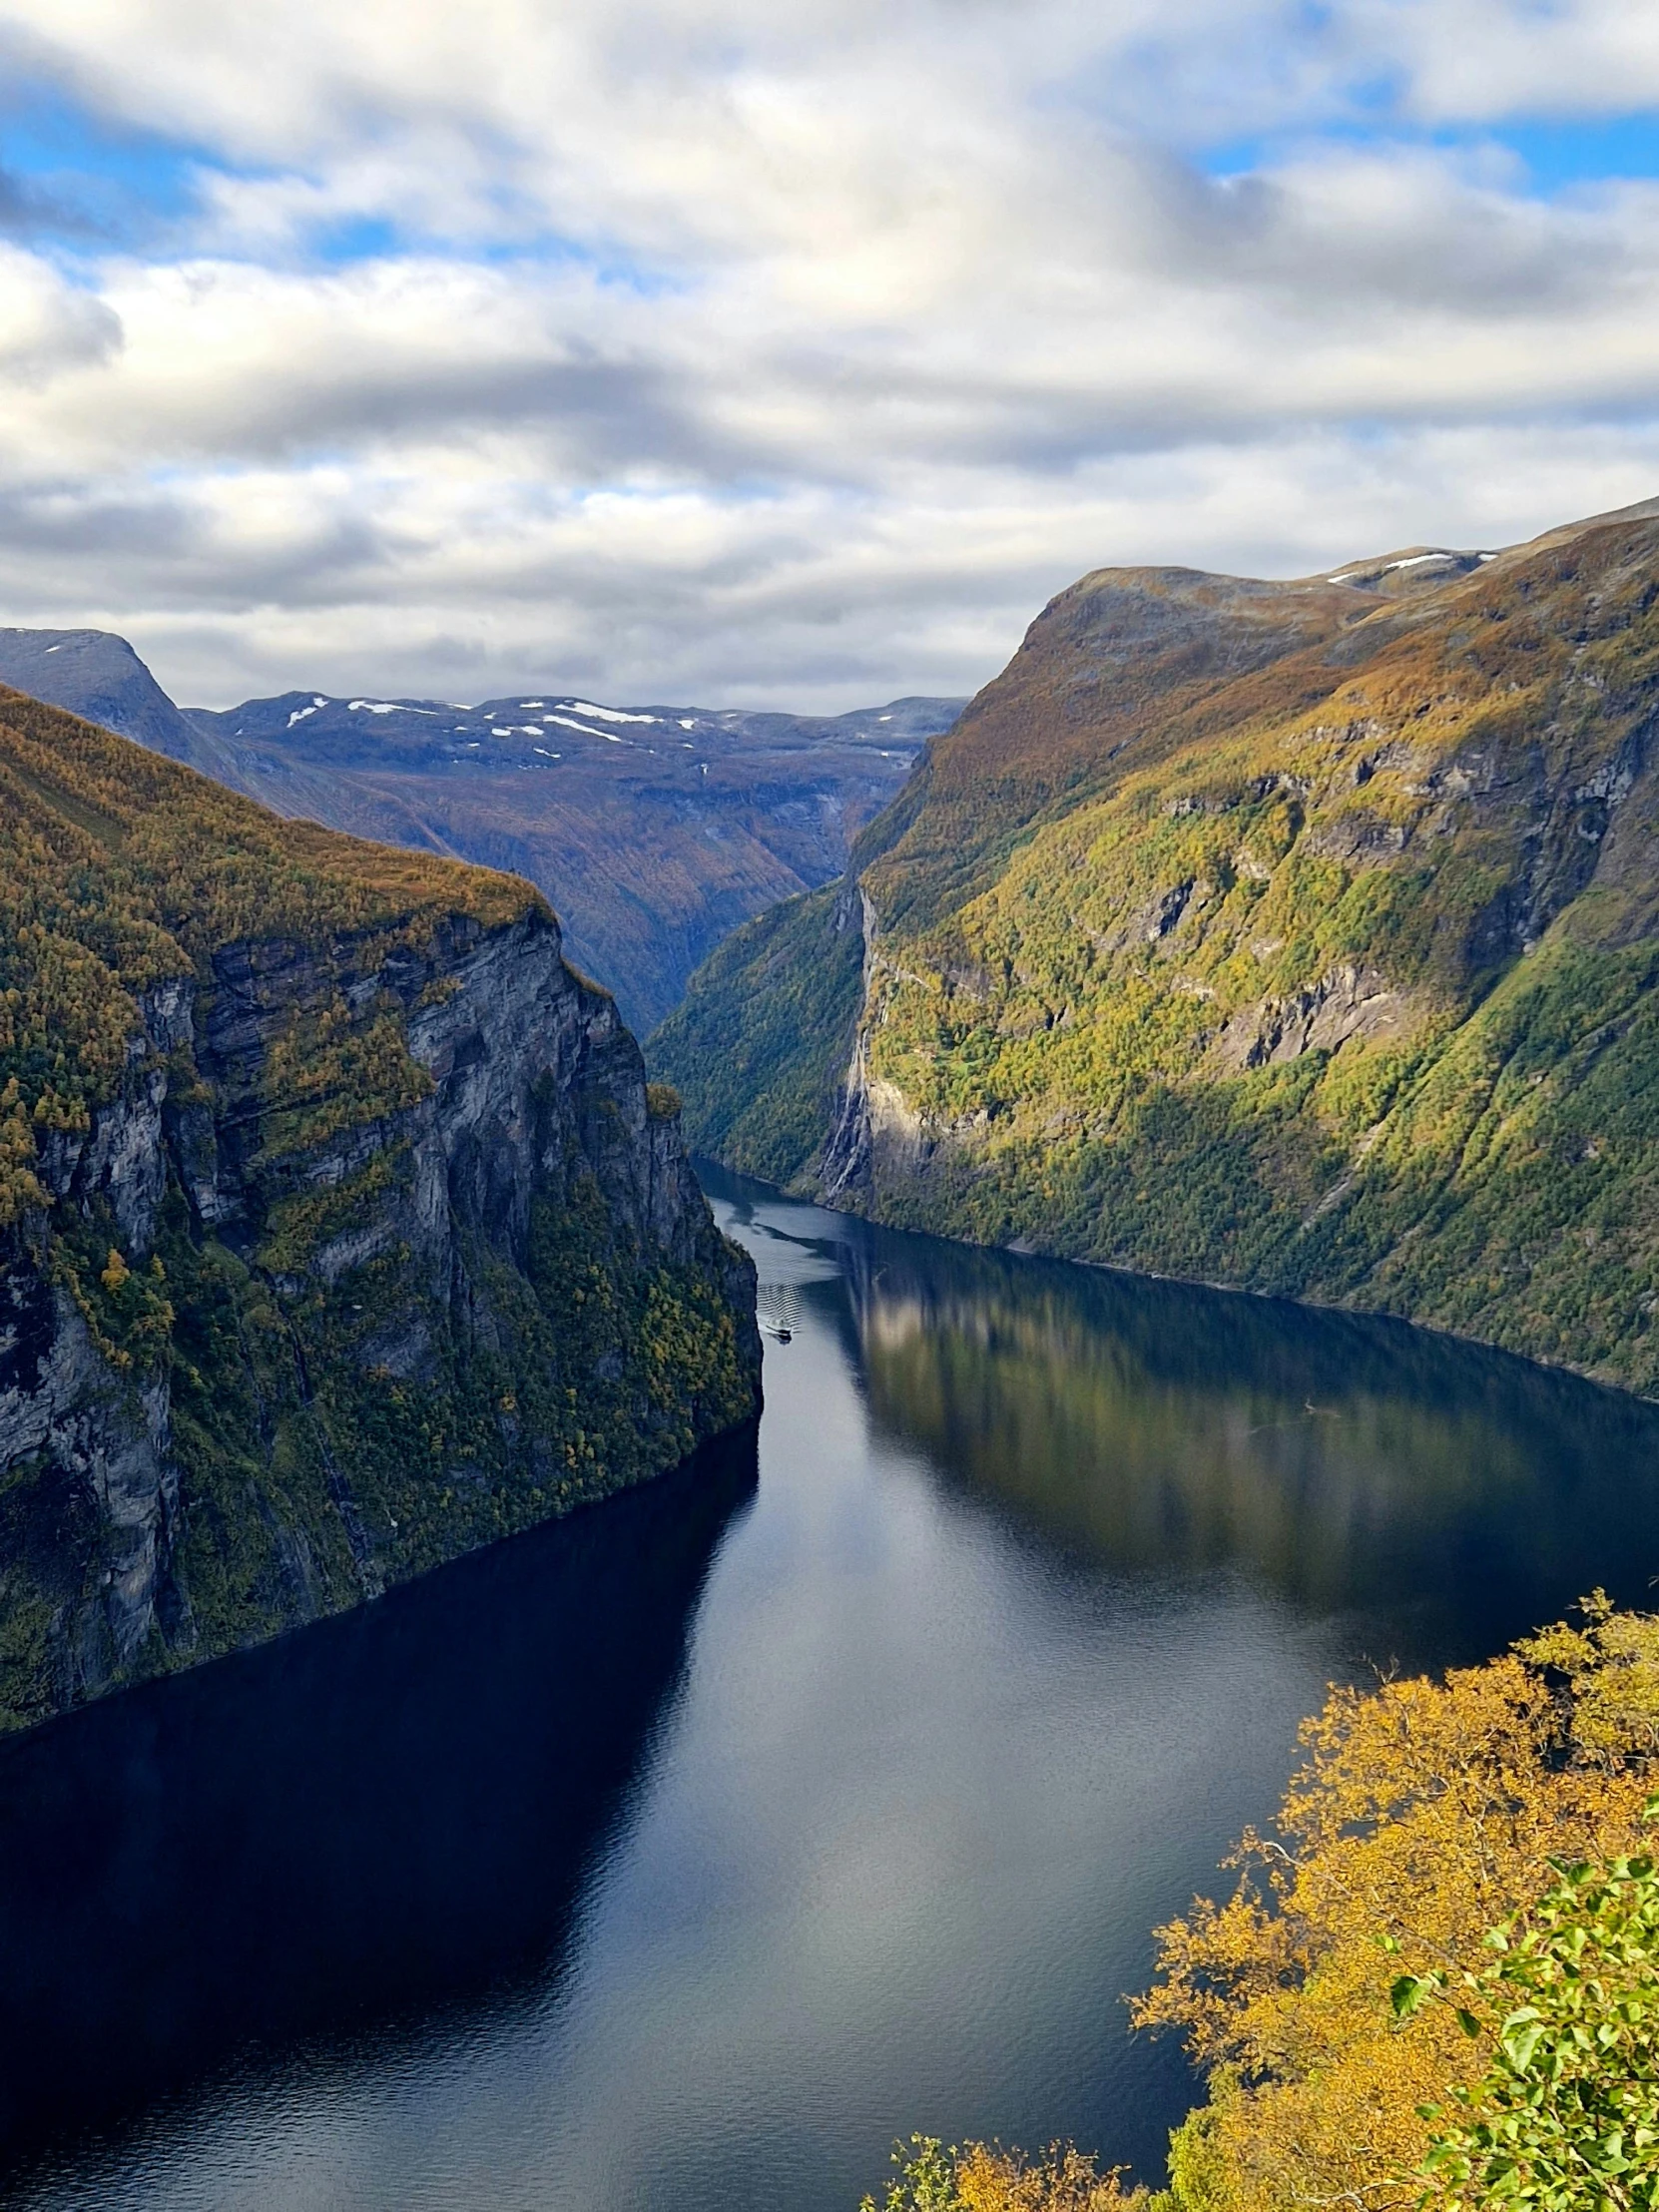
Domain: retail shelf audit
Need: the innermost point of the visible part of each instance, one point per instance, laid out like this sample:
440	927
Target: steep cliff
1300	936
340	1232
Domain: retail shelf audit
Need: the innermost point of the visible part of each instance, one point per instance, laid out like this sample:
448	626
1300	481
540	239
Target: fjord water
683	1854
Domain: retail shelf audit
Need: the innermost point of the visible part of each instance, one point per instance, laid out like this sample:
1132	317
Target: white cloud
1491	57
796	354
47	327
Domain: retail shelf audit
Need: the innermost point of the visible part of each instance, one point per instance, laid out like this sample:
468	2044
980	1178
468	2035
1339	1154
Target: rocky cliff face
1299	935
375	1248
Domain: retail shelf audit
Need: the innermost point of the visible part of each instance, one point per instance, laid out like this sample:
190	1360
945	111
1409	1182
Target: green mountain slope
1296	937
339	1230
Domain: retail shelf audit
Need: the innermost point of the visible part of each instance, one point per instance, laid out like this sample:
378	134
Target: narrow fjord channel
678	1857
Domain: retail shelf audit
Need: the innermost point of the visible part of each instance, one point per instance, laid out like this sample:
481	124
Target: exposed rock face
527	1061
1303	936
1348	1003
92	1532
410	1268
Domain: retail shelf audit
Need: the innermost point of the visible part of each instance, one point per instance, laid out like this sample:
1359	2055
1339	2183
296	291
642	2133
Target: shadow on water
505	1891
383	1819
1349	1463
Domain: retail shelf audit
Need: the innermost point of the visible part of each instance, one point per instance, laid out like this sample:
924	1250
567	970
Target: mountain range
653	830
1297	936
339	1229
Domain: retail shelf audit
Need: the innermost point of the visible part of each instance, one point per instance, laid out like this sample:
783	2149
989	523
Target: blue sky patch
1563	153
72	178
91	174
1552	156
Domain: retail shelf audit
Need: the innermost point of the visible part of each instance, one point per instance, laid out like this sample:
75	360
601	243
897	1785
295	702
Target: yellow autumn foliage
1426	1815
983	2177
20	1188
119	869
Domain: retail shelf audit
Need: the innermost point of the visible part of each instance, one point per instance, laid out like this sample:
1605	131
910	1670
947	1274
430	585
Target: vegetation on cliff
654	831
1437	1979
1295	937
754	1096
600	1369
119	869
325	1253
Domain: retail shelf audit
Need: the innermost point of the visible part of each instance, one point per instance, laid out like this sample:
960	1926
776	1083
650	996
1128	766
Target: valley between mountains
1300	937
654	831
1296	937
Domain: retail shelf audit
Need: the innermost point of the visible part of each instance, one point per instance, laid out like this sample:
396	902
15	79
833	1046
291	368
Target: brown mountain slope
1300	936
1116	670
654	831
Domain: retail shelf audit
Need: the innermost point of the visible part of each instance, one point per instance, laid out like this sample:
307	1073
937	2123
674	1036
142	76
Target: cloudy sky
741	351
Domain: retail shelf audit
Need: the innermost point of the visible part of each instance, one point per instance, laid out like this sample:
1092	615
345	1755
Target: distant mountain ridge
97	674
900	726
653	830
1298	935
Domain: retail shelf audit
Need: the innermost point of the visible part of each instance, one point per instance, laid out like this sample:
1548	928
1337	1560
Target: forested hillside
338	1232
654	831
1300	936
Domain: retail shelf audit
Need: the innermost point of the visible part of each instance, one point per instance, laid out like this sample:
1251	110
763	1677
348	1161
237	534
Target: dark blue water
677	1858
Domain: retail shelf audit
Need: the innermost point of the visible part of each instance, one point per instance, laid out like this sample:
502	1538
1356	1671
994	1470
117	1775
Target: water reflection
1349	1462
1346	1461
384	1817
678	1858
